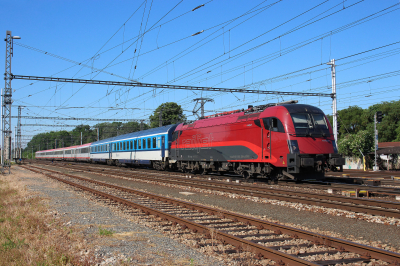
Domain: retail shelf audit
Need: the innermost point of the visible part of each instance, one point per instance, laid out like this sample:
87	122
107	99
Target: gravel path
131	243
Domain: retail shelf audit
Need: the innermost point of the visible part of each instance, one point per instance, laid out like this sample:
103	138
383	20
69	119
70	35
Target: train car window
124	146
139	144
135	144
154	143
131	144
149	143
144	143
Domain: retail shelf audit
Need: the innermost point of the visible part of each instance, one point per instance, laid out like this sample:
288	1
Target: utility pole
98	135
377	118
81	137
55	144
334	99
6	105
160	117
202	102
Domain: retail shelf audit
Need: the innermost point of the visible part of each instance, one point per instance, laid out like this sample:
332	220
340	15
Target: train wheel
245	175
205	171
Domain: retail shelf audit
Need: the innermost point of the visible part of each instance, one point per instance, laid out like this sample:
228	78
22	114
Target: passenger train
273	141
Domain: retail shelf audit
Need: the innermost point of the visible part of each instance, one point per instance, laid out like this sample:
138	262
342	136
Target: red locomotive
274	141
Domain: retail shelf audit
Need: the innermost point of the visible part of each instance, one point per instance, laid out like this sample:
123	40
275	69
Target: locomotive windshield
310	124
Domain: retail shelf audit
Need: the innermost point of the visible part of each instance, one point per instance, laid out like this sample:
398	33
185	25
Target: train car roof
143	133
67	148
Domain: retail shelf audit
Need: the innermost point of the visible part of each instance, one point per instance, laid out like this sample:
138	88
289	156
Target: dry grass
29	235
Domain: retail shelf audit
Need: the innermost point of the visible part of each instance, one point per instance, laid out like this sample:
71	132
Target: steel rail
340	244
368	206
259	250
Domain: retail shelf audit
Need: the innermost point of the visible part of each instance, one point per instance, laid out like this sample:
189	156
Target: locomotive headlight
293	146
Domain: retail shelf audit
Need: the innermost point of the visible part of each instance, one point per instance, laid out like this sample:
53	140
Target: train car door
135	146
162	147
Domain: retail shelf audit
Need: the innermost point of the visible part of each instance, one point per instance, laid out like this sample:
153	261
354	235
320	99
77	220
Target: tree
351	144
351	120
171	113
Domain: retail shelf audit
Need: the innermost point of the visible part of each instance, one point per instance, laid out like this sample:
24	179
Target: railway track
231	232
374	190
358	205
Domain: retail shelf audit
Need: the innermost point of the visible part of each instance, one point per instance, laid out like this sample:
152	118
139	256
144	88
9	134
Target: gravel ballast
130	243
379	235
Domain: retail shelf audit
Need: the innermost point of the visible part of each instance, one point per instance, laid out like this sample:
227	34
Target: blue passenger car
148	147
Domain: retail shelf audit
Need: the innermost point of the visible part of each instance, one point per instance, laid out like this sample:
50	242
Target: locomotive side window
149	143
176	135
273	124
154	143
124	146
144	143
257	122
131	144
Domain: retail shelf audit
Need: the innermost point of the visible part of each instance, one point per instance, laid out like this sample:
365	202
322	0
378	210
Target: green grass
105	232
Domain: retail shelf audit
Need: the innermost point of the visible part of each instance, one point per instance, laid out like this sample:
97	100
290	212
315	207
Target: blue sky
244	44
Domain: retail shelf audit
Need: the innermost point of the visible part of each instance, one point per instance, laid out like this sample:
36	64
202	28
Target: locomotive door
176	137
268	136
271	126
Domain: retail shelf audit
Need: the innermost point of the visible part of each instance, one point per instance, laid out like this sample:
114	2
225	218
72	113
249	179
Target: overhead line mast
6	105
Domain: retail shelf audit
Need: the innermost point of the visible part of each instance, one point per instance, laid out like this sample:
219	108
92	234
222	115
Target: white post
376	168
334	102
15	147
81	137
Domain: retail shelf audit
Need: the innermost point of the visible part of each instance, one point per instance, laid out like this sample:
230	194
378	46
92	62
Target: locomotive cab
310	142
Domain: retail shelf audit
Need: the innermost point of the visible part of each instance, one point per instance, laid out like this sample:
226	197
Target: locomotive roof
302	108
249	115
143	133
